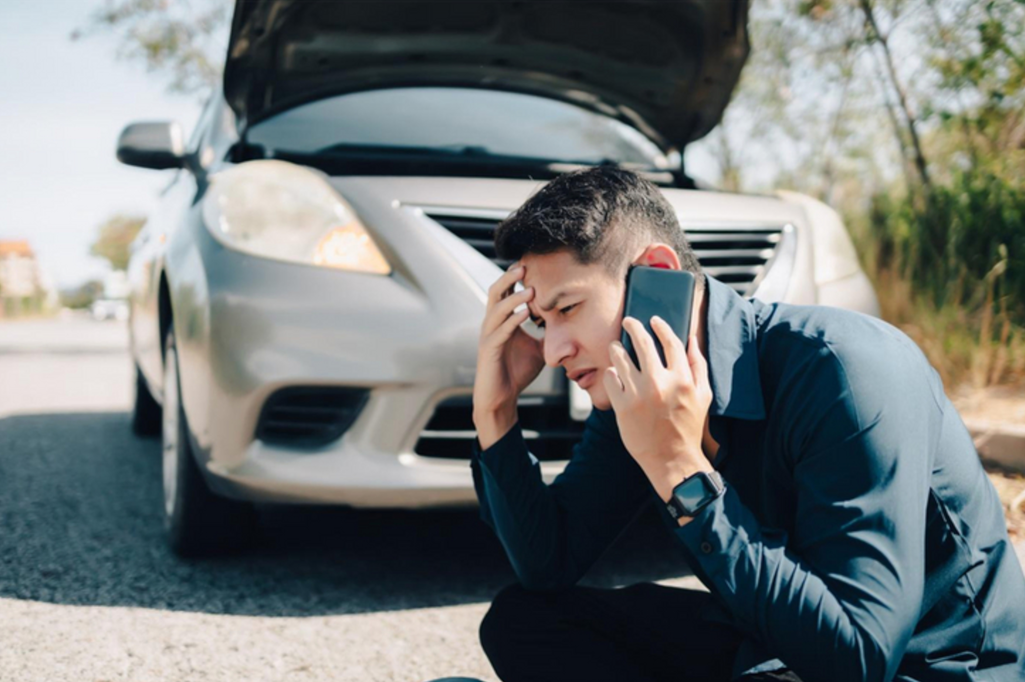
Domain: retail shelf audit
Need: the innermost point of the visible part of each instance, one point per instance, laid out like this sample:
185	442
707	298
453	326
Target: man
851	533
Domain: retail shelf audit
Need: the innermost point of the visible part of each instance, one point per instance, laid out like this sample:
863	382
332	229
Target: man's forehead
556	270
554	278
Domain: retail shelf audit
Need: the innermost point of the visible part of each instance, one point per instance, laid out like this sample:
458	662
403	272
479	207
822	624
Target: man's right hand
508	359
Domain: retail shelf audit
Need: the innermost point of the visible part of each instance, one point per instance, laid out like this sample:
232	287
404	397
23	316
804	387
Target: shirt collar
732	354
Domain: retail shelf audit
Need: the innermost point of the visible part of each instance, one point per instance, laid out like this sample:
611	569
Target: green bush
950	271
961	245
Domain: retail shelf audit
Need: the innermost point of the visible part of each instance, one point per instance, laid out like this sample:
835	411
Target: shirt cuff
505	457
718	539
505	462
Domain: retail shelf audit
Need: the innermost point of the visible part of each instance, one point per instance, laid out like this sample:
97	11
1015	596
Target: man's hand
661	411
508	359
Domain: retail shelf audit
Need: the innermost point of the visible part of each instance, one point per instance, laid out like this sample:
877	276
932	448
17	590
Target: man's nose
557	346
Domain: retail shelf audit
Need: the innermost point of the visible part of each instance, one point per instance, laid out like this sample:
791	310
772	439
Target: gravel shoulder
88	590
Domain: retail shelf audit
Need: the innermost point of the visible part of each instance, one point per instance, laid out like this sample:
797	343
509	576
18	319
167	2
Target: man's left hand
661	410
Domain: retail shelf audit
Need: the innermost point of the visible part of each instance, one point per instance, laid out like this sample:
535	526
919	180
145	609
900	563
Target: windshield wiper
453	151
463	160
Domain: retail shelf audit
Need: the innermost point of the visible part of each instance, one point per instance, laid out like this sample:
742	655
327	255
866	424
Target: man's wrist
491	425
676	473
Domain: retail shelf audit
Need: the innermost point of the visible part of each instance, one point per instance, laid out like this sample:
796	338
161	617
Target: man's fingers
499	313
696	362
506	329
503	286
672	346
644	345
623	364
613	385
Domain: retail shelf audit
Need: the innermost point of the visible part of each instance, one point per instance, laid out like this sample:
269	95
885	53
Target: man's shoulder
823	348
816	325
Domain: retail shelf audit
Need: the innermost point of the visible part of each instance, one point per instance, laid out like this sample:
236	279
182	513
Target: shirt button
706	547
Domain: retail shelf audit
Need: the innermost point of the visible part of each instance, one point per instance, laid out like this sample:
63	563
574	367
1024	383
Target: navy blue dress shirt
859	537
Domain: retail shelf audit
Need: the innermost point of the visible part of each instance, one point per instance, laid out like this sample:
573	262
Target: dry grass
967	346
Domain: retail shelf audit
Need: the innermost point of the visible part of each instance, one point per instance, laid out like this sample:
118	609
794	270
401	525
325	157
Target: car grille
478	232
547	427
737	256
309	416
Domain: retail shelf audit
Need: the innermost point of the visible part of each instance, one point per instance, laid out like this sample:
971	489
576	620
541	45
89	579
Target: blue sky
62	106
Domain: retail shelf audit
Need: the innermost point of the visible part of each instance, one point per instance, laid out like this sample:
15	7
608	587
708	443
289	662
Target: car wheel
198	523
146	412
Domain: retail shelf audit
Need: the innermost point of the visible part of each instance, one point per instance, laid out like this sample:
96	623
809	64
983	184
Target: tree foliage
908	116
82	296
114	239
183	40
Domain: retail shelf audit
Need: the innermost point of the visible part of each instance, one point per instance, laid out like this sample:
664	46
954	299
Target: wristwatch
695	493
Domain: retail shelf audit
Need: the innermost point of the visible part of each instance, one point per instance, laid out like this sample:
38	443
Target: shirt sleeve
553	533
840	596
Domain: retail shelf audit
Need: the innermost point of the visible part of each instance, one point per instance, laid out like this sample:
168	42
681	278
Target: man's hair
601	215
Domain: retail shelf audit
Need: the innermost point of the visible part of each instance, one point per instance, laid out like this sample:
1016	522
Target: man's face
585	316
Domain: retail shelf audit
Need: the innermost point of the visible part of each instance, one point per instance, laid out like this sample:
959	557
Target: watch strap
681	505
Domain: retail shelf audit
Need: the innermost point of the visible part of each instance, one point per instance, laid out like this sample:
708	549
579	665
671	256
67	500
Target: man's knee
513	610
501	618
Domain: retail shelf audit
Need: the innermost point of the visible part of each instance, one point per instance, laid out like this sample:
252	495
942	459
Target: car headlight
835	257
282	211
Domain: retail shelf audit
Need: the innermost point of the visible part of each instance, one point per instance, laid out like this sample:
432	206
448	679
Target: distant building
23	286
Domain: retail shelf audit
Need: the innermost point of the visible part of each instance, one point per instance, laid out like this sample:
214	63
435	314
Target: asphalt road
89	592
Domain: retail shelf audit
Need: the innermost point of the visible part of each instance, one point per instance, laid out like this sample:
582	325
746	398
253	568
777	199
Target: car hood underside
667	68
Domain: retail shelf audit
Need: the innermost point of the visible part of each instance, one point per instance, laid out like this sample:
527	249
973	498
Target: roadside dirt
1011	488
999	405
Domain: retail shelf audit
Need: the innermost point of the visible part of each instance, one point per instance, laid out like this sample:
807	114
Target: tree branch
919	156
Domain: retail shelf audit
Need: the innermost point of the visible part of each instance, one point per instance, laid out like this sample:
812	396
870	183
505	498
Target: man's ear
659	255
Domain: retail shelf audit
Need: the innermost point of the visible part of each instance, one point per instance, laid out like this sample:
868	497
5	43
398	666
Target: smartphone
658	291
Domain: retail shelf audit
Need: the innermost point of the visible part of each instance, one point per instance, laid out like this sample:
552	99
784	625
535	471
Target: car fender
839	278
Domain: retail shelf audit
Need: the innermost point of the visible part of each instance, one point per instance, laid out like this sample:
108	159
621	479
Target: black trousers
644	633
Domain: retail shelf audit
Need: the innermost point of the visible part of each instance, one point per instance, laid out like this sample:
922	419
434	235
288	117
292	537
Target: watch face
692	492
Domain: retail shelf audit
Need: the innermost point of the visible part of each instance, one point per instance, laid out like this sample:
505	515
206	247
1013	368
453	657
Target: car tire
147	414
197	522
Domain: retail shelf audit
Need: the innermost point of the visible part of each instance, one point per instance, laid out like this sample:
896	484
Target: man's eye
540	324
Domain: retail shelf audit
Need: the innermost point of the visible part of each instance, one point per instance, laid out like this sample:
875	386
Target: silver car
306	298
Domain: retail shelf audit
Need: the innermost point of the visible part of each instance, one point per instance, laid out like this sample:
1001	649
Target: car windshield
466	121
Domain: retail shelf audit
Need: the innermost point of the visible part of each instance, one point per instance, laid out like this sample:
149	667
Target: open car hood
666	67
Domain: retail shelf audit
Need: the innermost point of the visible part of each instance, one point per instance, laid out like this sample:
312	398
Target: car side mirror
152	145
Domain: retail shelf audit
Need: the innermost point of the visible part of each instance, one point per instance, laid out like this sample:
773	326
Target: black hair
601	215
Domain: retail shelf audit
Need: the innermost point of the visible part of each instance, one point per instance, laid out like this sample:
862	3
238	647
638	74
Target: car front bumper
248	327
